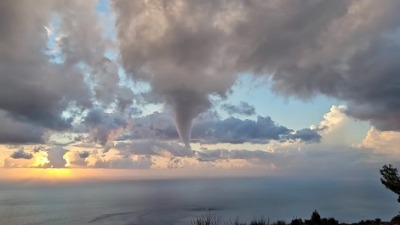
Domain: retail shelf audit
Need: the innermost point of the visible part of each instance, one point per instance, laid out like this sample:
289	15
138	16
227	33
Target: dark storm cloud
40	79
21	154
242	109
33	90
16	132
234	130
188	50
262	130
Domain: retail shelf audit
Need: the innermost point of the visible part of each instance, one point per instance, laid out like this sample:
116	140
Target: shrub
296	222
206	219
280	222
236	222
260	221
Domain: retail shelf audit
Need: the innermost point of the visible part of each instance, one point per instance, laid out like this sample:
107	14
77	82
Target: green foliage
390	178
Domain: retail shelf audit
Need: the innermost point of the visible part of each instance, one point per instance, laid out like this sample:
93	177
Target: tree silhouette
390	178
315	217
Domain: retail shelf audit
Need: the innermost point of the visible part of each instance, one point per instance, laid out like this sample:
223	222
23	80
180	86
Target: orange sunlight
39	174
50	174
57	174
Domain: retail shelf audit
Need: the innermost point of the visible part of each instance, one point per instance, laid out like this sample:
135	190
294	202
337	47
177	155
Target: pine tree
390	178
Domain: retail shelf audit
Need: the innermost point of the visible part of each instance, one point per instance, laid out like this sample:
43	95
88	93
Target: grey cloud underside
233	130
243	108
15	132
344	49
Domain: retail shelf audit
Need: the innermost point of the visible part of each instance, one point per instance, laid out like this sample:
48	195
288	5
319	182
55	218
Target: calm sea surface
178	201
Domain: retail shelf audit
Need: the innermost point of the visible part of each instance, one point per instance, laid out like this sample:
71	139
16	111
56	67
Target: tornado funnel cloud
187	105
183	123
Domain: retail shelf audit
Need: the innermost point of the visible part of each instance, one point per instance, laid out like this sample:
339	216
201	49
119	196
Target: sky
167	88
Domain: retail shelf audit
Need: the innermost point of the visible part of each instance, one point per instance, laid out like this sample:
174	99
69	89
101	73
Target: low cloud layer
261	130
21	154
243	108
211	129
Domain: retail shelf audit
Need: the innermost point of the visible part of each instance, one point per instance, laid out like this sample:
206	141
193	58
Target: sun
50	174
57	173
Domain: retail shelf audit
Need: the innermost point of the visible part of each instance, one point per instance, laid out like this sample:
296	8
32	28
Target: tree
315	217
390	178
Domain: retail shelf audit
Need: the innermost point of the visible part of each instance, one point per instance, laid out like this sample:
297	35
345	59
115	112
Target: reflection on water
177	201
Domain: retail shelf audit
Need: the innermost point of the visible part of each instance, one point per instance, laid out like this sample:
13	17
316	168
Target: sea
179	201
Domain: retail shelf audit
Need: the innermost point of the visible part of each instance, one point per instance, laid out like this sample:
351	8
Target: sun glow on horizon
50	174
58	173
40	174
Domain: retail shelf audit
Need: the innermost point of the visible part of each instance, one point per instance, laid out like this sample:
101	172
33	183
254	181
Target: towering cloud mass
173	46
48	49
188	50
24	68
33	91
60	63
